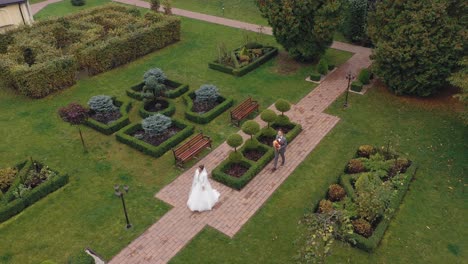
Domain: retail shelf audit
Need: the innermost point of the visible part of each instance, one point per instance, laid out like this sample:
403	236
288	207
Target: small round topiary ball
362	227
282	106
235	140
325	207
336	193
268	116
250	128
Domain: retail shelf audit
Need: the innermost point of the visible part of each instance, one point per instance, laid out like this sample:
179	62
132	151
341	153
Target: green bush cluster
107	129
207	93
10	206
156	125
45	57
125	136
315	76
362	227
224	104
102	104
136	91
364	76
356	86
322	67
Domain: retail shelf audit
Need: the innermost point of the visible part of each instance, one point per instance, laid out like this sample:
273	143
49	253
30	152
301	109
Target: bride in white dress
202	197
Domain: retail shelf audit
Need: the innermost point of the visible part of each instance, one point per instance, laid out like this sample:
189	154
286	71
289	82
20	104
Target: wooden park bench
191	148
243	110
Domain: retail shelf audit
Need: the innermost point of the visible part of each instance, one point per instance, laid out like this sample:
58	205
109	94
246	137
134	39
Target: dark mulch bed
156	140
285	129
254	154
236	170
106	118
36	180
266	140
203	107
156	105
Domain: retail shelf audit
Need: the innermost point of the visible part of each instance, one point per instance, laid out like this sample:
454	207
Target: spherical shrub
282	106
7	176
325	207
322	67
156	73
336	193
355	166
365	151
283	120
364	76
252	143
235	140
102	104
78	2
235	156
362	227
268	116
156	124
268	132
250	127
207	93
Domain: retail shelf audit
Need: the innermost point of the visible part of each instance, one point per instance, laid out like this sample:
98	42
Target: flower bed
168	108
206	117
175	90
233	63
126	136
33	181
113	126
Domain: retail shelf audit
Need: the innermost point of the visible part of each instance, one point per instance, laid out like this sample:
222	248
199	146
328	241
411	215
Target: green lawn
65	7
86	213
430	226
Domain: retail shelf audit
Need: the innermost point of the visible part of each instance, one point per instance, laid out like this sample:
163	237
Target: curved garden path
165	238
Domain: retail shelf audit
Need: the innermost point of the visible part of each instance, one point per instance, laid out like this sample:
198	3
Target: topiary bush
235	156
356	86
365	151
364	76
322	67
7	176
282	106
362	227
156	124
153	88
235	140
102	104
250	127
156	73
315	76
336	193
355	166
268	116
78	2
325	207
207	93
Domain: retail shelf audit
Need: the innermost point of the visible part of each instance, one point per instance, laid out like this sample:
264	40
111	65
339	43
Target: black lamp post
120	194
349	77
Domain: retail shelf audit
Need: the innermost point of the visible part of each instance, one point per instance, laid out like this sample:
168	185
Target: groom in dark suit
280	148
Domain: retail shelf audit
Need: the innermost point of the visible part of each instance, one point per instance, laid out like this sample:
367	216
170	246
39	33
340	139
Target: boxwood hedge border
169	111
134	91
208	116
148	149
107	129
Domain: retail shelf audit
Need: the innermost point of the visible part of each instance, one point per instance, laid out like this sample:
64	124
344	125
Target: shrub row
356	86
107	129
246	69
169	111
10	207
125	137
206	117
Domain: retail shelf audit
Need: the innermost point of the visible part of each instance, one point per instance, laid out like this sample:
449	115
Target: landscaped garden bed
244	59
25	184
161	106
155	135
205	104
107	114
174	90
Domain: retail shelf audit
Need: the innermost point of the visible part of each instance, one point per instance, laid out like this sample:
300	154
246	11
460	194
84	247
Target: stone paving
165	238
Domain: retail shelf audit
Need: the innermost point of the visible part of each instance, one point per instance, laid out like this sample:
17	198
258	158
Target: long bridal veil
202	196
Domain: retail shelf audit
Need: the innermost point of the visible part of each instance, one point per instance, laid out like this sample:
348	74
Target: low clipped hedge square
125	137
169	111
204	118
9	206
135	91
356	86
315	76
107	129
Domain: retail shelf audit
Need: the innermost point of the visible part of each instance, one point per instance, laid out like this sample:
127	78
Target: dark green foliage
372	196
418	44
322	67
282	106
125	137
224	104
235	157
80	257
78	2
460	80
315	76
136	91
251	144
268	132
356	86
355	21
169	111
156	125
250	127
304	28
101	104
364	76
268	116
234	141
107	129
155	5
207	93
29	56
74	114
153	88
336	193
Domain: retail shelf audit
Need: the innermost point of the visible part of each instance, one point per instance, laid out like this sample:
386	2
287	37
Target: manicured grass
65	7
35	1
430	226
86	213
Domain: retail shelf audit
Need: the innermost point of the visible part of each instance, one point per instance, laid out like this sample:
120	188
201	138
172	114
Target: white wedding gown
202	197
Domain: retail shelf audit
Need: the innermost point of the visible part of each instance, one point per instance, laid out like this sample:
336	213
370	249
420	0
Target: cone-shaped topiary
101	104
250	128
268	116
235	140
282	106
156	124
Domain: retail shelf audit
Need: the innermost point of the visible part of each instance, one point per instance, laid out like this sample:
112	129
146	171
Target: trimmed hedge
107	129
240	71
11	206
155	151
315	76
356	86
169	111
204	118
135	91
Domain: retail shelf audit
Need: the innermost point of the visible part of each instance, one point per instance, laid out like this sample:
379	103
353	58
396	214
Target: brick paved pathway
39	6
164	239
